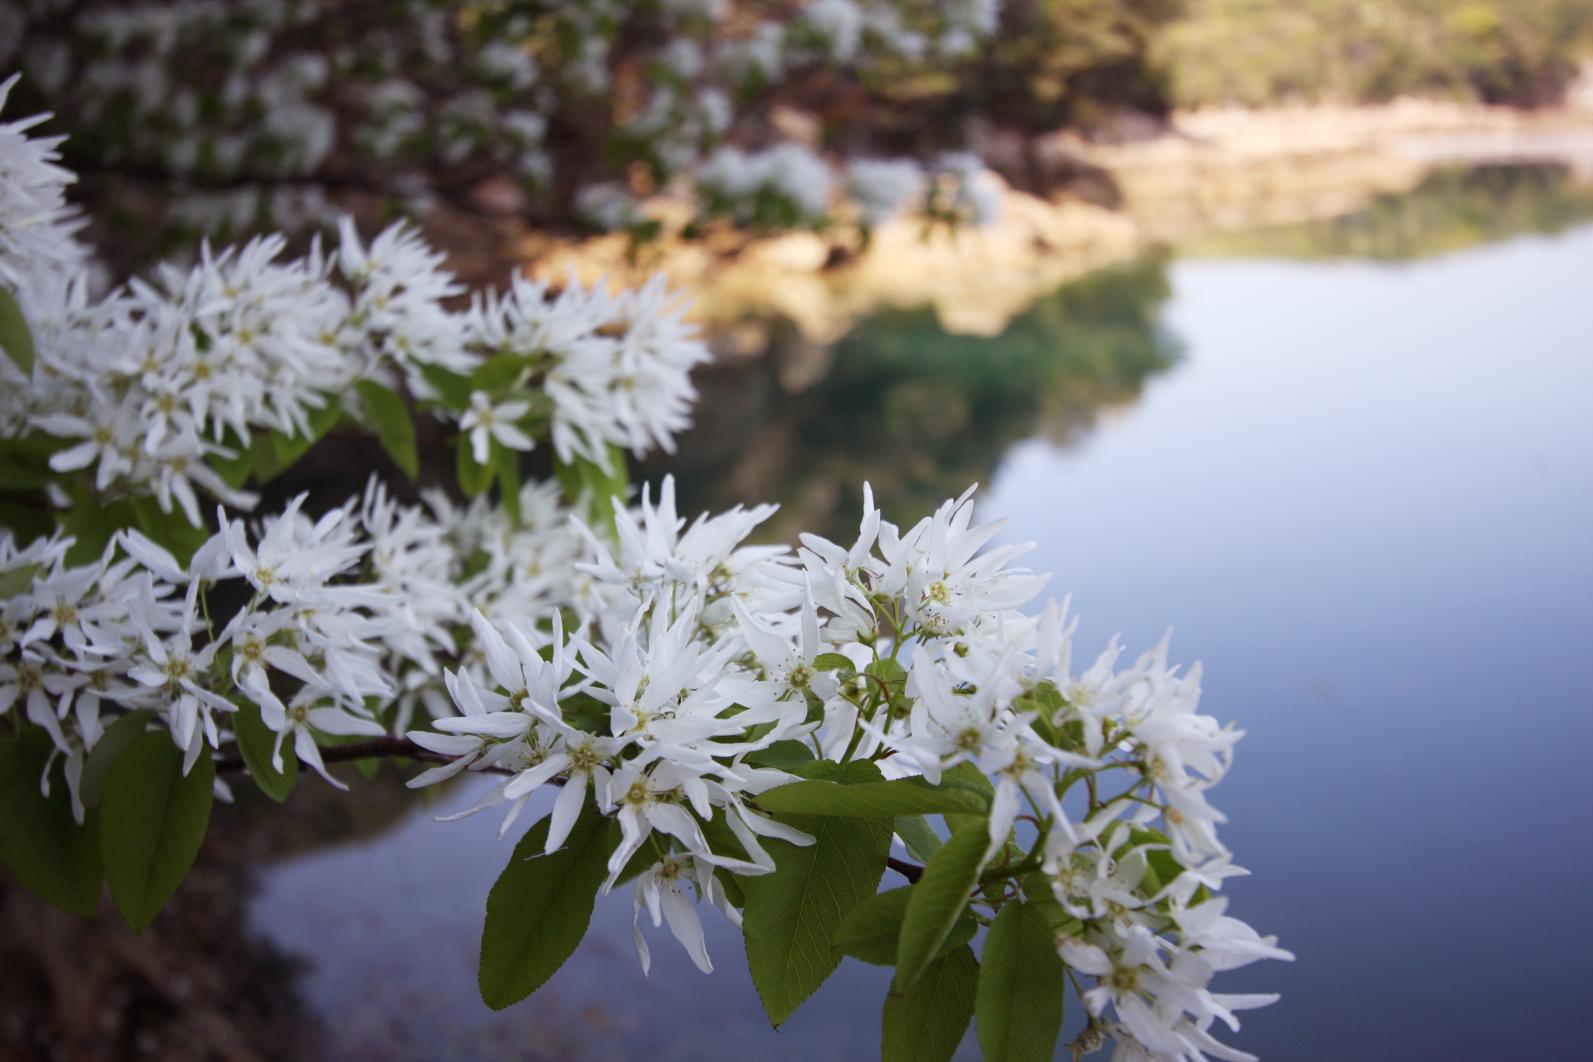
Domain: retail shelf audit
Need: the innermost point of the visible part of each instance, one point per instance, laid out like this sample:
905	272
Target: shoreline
1205	172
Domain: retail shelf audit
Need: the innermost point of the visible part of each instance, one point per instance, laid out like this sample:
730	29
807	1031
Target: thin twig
395	747
362	750
910	871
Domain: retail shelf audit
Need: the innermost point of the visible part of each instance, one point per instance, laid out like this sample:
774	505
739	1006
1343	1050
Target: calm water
1359	486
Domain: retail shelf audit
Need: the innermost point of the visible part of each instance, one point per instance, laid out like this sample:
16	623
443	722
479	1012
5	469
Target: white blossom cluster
696	653
154	382
36	226
616	366
665	671
884	188
757	186
388	99
357	608
130	631
135	393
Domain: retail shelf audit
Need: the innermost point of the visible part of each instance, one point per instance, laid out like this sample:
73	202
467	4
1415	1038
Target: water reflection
1362	492
1366	501
199	983
1453	209
1364	498
393	925
919	413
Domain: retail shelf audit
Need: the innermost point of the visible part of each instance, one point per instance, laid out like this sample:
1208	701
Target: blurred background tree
224	118
1520	52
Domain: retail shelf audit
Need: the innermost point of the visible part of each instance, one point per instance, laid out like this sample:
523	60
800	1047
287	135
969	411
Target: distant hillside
1519	52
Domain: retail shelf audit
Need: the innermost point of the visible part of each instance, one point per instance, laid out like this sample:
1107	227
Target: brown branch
910	871
395	747
362	750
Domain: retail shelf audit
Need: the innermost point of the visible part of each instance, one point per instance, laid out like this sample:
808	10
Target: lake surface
1357	481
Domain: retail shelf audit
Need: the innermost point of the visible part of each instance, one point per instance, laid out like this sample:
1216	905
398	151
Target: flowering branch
403	748
377	748
742	728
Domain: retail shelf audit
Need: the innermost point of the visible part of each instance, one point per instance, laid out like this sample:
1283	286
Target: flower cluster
331	625
615	366
36	226
158	386
131	632
697	654
675	682
233	98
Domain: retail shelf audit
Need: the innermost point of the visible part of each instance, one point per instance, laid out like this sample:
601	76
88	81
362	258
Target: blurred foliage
502	114
1522	52
1063	62
920	413
1052	63
1453	209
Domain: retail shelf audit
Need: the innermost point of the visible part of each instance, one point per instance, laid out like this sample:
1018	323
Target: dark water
1360	487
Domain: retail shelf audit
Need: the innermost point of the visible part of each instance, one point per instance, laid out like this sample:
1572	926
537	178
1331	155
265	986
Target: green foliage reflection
1452	210
918	412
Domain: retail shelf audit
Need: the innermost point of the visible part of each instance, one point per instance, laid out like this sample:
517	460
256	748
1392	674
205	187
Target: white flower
303	717
295	558
177	671
838	24
883	187
36	226
397	313
944	579
486	421
661	890
789	670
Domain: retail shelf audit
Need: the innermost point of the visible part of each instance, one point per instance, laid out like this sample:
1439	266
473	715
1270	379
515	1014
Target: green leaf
926	1022
782	755
834	662
170	530
25	461
585	712
901	796
97	767
889	684
256	742
598	485
474	479
276	453
1161	866
91	522
51	855
15	338
389	417
888	671
499	372
921	839
508	474
540	906
1019	1002
871	931
28	518
152	822
235	470
969	777
1039	898
937	901
452	389
792	915
20	581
